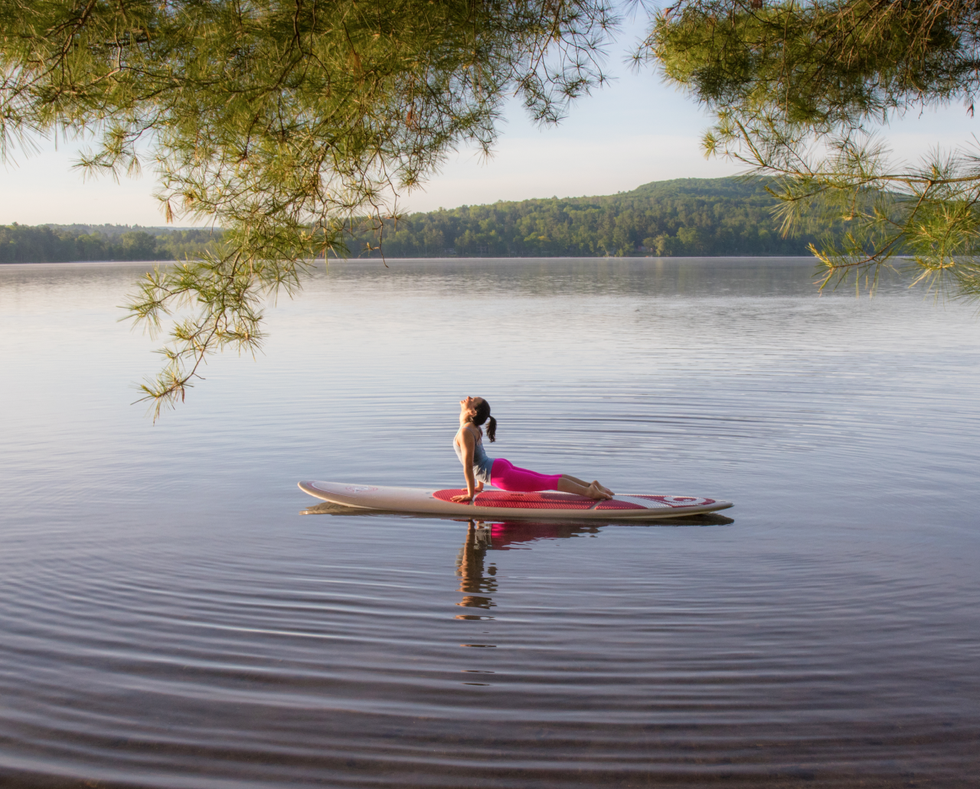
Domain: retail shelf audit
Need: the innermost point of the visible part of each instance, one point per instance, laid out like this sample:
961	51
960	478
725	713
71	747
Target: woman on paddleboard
479	469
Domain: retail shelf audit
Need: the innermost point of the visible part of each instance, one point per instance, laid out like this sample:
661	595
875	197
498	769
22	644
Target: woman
479	469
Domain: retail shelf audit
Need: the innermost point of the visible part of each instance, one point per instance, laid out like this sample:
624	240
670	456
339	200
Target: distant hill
688	216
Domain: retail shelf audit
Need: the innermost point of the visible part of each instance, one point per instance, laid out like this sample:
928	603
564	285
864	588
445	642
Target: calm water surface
171	618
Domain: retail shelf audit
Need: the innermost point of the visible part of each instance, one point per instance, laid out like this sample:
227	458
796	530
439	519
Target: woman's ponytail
483	415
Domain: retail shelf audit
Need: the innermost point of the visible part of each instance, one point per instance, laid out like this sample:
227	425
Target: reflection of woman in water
469	568
477	580
479	469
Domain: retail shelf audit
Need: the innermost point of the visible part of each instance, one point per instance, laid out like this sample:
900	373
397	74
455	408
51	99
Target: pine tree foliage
798	90
277	120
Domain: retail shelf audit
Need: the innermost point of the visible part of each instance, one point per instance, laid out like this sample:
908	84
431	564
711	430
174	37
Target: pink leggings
506	476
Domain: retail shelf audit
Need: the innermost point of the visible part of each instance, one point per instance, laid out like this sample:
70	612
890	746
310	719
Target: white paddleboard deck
499	504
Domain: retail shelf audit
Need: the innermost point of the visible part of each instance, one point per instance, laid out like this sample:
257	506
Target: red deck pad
522	501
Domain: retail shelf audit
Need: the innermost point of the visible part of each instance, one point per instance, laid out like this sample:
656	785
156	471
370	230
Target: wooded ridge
690	216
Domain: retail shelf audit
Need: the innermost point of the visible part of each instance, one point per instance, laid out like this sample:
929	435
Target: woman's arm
469	447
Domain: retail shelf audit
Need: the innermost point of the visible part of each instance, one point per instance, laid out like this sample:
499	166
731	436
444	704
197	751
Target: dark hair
483	415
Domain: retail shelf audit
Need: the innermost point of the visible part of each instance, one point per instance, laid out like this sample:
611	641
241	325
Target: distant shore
681	218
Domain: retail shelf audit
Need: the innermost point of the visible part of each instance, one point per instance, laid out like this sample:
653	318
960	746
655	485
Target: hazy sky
629	133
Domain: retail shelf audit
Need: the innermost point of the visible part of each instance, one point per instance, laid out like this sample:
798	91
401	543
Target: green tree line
75	243
711	217
691	216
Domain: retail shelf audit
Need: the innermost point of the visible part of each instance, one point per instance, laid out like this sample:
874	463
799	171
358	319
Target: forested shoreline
81	243
705	217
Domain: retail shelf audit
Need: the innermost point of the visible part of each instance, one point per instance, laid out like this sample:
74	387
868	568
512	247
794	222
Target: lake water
171	618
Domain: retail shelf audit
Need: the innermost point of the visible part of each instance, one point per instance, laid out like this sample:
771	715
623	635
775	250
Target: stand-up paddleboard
499	504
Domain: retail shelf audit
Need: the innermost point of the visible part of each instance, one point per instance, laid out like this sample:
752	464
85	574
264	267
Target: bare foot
597	491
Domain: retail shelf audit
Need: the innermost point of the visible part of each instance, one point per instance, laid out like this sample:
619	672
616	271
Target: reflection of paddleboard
500	504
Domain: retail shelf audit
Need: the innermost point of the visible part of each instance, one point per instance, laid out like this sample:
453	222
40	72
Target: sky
631	132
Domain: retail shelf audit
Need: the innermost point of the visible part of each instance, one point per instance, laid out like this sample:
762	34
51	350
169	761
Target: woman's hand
469	496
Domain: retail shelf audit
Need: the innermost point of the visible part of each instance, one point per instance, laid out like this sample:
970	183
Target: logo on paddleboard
359	488
676	501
